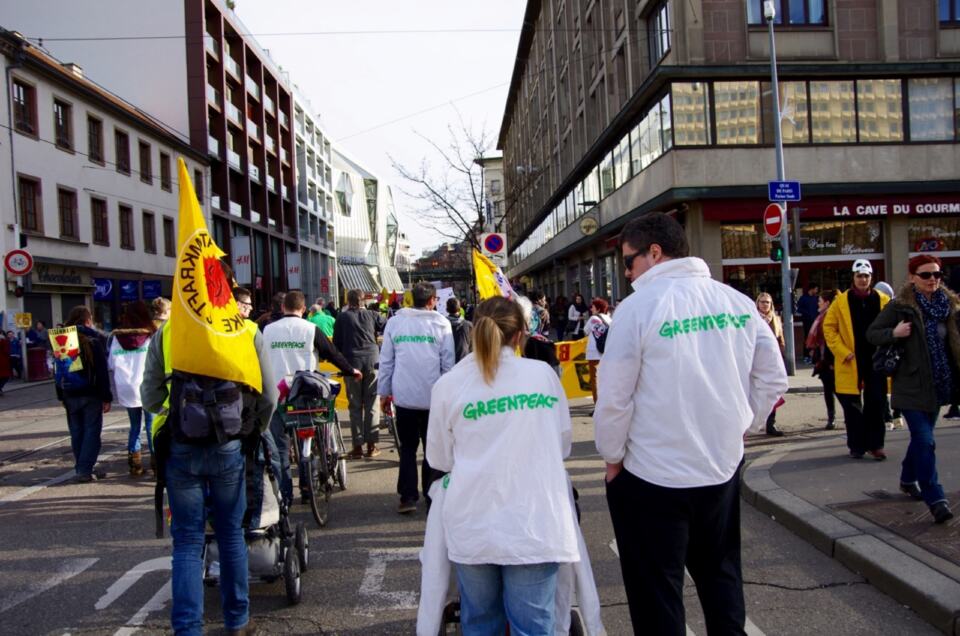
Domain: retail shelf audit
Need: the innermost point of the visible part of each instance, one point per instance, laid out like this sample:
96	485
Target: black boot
830	425
772	429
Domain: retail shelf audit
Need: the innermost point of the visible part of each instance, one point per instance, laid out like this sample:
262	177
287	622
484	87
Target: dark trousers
659	531
864	421
829	382
412	430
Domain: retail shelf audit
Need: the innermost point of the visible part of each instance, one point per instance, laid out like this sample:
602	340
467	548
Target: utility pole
770	13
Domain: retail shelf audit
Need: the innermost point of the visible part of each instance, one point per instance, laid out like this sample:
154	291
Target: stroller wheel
302	542
577	627
291	577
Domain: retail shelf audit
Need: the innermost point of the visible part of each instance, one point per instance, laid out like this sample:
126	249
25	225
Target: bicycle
390	423
318	448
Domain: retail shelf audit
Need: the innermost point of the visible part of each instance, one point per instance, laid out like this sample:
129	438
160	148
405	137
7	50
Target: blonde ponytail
497	321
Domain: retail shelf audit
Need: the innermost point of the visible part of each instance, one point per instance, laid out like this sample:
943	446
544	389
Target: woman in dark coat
5	369
922	320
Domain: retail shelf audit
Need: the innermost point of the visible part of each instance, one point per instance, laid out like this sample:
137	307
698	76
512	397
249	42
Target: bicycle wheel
316	490
340	471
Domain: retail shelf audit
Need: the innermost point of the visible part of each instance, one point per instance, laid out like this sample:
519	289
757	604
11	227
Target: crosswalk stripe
69	569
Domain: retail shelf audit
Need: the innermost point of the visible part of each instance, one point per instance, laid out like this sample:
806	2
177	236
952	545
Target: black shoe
855	455
773	431
304	499
953	413
84	479
941	512
830	426
913	490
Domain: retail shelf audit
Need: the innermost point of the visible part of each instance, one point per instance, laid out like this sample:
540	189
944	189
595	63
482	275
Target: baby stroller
274	549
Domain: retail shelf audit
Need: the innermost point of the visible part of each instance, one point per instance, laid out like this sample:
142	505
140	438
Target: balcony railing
233	159
213	146
212	46
232	66
270	144
233	113
236	209
252	129
283	120
271	184
254	172
252	87
214	97
268	105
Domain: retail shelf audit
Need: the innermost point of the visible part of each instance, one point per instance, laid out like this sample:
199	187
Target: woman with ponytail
500	426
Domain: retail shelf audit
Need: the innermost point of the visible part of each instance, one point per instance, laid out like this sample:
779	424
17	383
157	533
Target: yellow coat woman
838	332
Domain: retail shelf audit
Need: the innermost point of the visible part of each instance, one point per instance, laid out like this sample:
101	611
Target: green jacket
913	386
325	321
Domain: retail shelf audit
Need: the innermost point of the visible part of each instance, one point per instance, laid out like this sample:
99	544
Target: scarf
935	311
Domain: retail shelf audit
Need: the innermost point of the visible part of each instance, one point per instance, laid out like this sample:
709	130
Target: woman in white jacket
500	426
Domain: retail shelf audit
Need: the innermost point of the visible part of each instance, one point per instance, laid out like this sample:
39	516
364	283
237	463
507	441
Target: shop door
68	302
40	306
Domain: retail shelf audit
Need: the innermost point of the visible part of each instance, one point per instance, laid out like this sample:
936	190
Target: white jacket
127	367
417	350
507	499
689	366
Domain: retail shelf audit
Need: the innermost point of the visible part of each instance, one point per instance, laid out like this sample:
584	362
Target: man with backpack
462	330
85	395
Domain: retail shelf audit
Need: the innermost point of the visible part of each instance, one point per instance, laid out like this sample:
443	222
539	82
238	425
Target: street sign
773	220
23	321
783	190
18	262
494	247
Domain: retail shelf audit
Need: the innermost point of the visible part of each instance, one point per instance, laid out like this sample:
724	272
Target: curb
805	389
932	595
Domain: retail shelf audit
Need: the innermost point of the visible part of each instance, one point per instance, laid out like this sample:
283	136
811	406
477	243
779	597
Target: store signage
904	209
293	270
102	289
783	190
18	262
324	285
129	290
773	220
929	244
58	275
853	207
151	289
23	320
242	263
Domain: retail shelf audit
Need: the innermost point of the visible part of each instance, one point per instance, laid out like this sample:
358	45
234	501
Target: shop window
934	235
832	117
737	111
880	110
691	121
792	12
794	113
930	103
950	12
817	238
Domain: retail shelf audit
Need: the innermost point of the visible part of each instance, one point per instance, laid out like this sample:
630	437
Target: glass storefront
817	238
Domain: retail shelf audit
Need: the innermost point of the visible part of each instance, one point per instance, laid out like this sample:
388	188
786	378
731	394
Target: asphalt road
82	559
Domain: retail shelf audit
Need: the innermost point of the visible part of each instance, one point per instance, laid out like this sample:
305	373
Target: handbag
886	359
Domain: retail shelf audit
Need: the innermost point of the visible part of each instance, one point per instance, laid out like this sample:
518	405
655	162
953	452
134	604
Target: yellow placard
342	403
23	321
574	371
66	348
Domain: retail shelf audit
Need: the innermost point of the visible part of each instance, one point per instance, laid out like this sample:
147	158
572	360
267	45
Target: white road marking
23	493
68	569
372	597
127	581
159	600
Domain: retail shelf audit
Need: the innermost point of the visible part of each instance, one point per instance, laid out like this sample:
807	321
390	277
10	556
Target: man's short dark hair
240	292
422	293
812	287
277	301
453	306
535	296
658	228
294	301
353	297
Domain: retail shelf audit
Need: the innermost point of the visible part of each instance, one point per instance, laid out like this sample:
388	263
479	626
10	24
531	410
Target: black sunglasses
629	258
928	275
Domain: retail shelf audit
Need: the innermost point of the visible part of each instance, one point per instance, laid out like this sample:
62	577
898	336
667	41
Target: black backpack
602	338
205	410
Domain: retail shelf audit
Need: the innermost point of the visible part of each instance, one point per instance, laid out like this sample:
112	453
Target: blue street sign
784	190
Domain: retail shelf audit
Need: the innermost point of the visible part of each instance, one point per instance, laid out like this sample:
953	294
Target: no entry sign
773	220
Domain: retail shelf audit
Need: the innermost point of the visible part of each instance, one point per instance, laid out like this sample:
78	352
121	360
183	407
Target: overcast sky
359	81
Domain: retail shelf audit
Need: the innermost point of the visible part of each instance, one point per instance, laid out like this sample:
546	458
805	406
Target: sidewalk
853	510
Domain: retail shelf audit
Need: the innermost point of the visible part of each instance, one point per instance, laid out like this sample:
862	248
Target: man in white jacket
417	350
687	369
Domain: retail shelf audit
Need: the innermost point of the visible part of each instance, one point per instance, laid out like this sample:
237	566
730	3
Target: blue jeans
85	420
133	440
217	472
920	463
492	595
280	455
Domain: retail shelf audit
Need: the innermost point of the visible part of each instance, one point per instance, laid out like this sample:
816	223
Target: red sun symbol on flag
218	287
62	351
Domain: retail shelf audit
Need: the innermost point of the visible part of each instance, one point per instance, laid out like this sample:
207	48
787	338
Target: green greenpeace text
507	403
427	339
672	328
288	345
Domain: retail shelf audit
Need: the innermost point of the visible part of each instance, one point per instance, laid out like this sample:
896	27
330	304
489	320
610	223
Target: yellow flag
207	333
490	280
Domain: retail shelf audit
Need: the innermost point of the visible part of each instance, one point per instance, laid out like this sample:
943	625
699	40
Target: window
149	233
737	110
122	141
31	209
67	206
62	124
198	185
146	171
658	33
832	116
126	227
931	109
950	11
792	12
606	175
495	186
165	172
169	241
101	224
94	139
794	115
880	110
24	108
691	120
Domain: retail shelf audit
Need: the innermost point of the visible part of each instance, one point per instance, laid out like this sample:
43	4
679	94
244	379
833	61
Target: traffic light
776	252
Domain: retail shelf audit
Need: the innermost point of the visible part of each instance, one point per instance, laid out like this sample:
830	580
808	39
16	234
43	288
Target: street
82	559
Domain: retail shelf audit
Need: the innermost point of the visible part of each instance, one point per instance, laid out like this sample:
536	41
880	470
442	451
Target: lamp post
770	13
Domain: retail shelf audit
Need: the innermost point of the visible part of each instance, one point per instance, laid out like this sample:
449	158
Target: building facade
93	193
623	108
367	229
315	200
494	210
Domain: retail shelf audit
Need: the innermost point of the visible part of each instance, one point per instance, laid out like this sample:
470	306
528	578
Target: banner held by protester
490	279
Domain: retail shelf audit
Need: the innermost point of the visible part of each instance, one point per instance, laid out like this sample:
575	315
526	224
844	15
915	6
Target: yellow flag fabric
490	280
207	333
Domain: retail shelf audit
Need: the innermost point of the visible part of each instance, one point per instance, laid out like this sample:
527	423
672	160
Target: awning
356	277
390	278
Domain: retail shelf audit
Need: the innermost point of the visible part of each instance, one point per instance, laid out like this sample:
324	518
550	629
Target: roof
530	17
15	46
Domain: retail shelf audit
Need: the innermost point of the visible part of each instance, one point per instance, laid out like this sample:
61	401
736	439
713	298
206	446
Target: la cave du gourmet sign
896	209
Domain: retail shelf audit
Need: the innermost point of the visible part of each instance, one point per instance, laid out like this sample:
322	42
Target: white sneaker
900	422
889	426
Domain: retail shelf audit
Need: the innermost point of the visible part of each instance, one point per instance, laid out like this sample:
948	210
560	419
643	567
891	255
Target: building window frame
659	40
24	103
67	213
125	218
145	160
803	10
63	124
149	222
166	178
948	13
95	139
169	237
30	199
121	141
100	221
